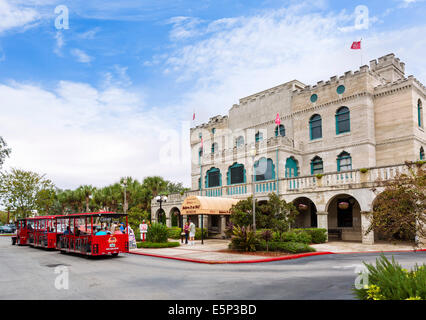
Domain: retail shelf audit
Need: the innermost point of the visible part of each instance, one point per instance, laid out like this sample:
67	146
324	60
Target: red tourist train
88	234
42	232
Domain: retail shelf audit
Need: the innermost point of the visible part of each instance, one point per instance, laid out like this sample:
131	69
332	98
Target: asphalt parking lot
29	273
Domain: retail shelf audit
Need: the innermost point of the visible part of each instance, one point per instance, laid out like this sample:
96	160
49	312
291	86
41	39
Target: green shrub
243	239
363	170
318	235
198	233
158	232
289	247
319	175
174	232
292	236
389	281
146	244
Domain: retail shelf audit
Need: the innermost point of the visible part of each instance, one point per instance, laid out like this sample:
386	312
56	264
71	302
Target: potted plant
343	205
302	207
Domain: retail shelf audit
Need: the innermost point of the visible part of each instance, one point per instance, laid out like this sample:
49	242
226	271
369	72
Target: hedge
290	247
174	233
318	235
305	235
146	244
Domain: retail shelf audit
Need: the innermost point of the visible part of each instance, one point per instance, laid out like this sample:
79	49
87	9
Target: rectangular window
237	175
214	179
343	123
345	164
317	167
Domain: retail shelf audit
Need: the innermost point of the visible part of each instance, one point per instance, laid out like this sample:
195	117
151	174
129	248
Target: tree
400	210
86	192
46	200
281	215
4	151
176	188
242	212
19	190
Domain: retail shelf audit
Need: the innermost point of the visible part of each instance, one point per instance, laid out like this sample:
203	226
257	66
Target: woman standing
186	231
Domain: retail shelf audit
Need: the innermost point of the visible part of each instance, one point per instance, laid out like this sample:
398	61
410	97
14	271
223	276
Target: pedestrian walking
192	233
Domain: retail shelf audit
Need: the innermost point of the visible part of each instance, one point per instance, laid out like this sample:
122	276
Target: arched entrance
344	218
176	217
307	217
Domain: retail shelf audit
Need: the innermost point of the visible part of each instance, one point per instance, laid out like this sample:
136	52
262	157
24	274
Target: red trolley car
43	233
22	231
93	234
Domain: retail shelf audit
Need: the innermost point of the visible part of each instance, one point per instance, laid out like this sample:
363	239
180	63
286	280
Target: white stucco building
372	118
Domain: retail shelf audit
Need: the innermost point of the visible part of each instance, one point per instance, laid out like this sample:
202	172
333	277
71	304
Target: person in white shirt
191	233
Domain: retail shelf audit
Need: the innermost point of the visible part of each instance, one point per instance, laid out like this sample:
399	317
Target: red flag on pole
277	120
201	142
356	45
193	116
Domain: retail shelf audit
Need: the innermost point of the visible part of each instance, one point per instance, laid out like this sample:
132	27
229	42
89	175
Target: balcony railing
328	181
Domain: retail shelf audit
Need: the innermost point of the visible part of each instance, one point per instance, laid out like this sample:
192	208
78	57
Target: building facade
335	140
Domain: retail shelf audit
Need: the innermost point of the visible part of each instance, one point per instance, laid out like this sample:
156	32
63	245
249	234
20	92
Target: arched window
291	168
315	127
420	113
280	131
422	153
344	162
264	169
317	165
214	147
213	178
236	174
199	183
343	120
240	141
259	136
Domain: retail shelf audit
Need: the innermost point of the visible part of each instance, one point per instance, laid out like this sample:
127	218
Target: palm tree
86	192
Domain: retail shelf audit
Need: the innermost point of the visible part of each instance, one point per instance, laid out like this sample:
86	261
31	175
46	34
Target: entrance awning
207	205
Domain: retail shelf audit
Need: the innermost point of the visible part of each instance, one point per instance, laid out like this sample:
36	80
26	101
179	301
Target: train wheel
114	254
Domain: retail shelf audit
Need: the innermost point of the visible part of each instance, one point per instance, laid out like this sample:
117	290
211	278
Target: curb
295	256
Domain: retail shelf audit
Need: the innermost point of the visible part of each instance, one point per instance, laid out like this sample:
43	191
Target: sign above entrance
207	205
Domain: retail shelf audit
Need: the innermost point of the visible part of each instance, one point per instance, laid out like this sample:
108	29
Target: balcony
328	181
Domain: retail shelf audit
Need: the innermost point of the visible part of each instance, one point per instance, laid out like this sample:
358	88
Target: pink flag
277	120
201	142
193	116
356	45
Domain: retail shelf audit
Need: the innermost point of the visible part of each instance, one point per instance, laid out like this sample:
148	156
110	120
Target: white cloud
12	16
251	54
81	56
77	134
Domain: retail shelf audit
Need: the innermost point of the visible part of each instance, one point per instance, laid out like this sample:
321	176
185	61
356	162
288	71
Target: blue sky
92	103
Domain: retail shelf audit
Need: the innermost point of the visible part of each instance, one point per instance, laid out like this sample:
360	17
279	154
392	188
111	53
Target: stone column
322	219
365	224
222	225
168	220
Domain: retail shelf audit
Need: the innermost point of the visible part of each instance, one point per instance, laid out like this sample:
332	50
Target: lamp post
160	200
253	154
125	196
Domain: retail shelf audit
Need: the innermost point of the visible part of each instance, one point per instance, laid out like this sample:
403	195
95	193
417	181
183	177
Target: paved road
27	273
